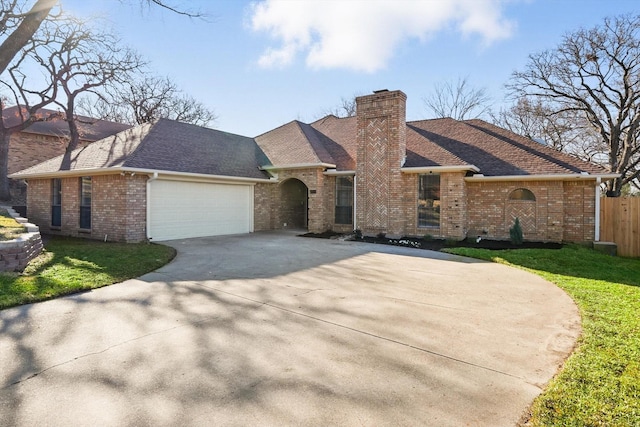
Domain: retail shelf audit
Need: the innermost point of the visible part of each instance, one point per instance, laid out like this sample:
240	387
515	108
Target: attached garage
183	209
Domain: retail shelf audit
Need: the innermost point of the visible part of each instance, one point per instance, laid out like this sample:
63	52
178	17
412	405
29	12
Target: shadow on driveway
273	329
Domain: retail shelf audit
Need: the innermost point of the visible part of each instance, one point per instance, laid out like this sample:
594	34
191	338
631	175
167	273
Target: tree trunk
25	31
74	138
614	188
5	193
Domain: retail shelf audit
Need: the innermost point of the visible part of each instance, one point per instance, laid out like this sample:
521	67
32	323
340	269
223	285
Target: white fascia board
549	177
440	169
333	172
62	174
299	166
161	174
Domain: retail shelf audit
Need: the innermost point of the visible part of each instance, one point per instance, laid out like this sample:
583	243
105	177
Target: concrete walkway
273	329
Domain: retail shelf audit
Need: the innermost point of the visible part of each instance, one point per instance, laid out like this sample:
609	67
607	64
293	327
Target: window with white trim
85	202
428	200
344	200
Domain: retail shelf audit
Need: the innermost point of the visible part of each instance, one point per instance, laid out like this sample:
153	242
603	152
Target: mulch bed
437	244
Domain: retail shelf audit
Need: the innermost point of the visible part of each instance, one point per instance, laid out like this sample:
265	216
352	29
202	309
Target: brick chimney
382	147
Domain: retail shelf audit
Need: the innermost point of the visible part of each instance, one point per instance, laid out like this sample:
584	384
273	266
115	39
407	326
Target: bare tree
30	96
565	131
27	23
346	108
458	100
147	99
19	27
80	59
595	75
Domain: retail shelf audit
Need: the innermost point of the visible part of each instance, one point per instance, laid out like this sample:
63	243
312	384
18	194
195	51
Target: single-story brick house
374	172
47	139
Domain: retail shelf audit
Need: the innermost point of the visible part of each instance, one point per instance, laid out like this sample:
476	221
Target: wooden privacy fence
620	223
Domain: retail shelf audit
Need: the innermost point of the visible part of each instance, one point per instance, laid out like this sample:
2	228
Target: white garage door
181	210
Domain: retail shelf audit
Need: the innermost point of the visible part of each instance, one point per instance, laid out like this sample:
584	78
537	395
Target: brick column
381	151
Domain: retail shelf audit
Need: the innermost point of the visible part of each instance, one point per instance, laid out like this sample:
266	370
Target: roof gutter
299	166
548	177
163	174
440	169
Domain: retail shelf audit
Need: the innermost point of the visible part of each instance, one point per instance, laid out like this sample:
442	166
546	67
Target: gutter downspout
149	181
597	221
355	216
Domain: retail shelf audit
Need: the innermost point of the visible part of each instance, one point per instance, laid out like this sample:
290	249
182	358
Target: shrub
515	232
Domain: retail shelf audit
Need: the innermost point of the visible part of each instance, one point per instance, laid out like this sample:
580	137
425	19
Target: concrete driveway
273	329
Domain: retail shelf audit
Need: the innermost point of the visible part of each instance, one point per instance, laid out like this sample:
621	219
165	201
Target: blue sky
262	64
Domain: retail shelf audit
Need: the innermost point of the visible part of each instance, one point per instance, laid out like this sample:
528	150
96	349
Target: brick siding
118	207
562	211
381	150
272	208
28	149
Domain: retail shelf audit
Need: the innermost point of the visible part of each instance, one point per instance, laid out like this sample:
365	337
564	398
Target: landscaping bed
436	244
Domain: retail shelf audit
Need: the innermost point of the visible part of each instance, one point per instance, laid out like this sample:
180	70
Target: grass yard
70	265
9	227
600	383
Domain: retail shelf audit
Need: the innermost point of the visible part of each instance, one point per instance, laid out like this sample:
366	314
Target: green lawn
9	227
600	383
70	265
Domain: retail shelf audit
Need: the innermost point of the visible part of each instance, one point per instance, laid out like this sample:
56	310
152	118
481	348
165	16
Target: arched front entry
295	200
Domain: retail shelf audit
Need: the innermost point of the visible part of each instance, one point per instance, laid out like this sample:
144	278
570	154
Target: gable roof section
339	136
90	129
330	141
294	143
495	151
169	146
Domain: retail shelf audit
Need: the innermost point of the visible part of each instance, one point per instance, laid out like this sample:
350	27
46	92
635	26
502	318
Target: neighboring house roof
167	146
90	129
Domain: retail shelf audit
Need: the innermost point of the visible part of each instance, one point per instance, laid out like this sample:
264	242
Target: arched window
522	194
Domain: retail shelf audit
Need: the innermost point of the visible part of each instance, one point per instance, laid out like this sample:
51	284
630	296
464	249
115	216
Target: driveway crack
359	331
104	350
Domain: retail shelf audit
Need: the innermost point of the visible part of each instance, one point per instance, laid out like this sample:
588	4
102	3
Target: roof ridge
276	128
316	143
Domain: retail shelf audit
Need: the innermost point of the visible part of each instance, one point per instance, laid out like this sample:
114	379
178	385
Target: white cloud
362	34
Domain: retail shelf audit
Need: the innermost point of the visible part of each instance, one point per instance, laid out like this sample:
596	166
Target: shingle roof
437	142
172	146
340	139
90	129
330	140
292	143
167	145
496	151
534	157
